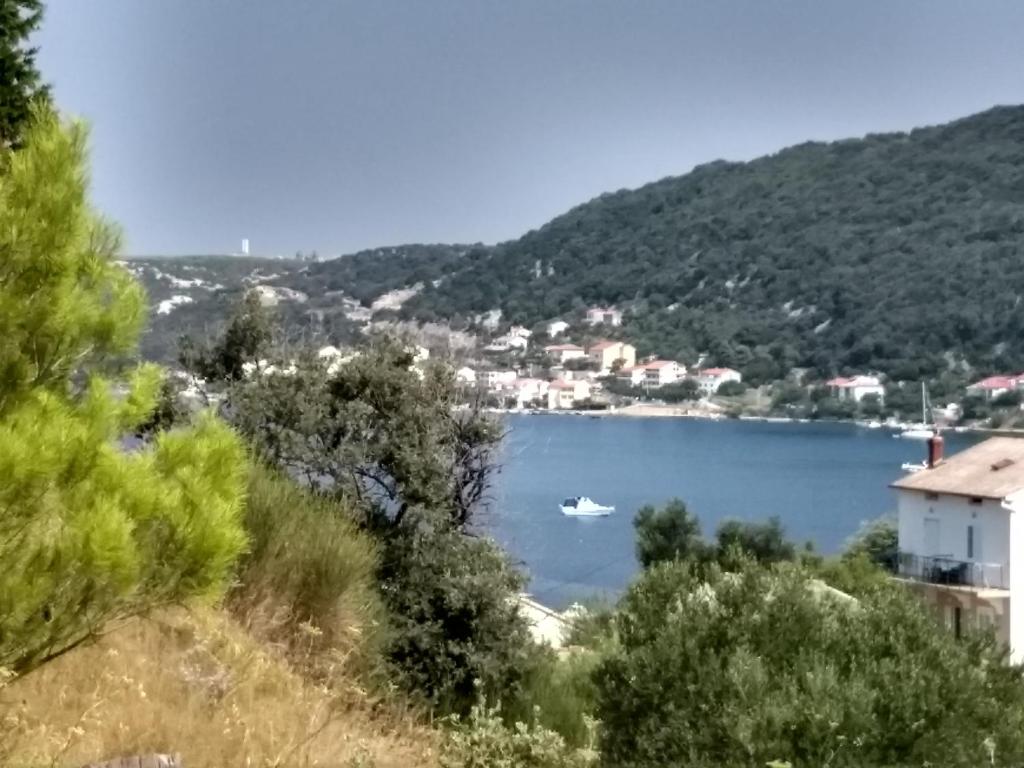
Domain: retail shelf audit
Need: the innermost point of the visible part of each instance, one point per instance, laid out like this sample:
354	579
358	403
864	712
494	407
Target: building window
976	500
931	496
970	542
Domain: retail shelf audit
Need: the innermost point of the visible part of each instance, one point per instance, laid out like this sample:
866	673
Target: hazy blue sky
337	125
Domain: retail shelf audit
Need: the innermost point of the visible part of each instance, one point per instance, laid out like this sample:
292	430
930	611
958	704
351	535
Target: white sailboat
918	431
581	506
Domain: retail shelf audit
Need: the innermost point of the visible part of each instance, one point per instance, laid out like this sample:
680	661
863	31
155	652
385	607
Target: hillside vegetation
898	252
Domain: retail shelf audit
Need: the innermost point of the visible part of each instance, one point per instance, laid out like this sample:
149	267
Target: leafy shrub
308	579
457	629
743	668
557	693
483	740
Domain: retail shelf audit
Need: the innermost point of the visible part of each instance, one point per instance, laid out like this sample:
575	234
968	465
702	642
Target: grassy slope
197	684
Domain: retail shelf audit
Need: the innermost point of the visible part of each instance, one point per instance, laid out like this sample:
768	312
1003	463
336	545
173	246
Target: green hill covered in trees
900	252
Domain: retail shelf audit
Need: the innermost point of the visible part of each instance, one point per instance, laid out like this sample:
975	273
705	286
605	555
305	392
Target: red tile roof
995	382
716	371
659	363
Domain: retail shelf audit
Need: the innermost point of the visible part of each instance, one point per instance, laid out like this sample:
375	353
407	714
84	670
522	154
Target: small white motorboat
915	432
581	506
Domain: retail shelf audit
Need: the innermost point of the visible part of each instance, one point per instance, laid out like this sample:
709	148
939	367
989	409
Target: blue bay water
822	480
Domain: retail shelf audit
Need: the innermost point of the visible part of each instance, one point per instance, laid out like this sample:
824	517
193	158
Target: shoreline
644	411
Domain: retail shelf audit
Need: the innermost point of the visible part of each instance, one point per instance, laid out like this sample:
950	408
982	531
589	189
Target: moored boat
581	506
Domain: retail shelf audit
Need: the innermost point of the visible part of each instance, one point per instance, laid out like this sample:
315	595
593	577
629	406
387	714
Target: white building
710	379
465	375
508	342
603	315
632	375
564	394
994	386
519	332
563	352
530	392
557	327
658	373
960	522
855	388
499	379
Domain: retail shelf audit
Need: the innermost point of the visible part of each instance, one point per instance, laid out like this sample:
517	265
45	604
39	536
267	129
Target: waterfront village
591	367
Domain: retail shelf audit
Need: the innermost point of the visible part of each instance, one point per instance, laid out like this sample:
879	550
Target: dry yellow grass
197	684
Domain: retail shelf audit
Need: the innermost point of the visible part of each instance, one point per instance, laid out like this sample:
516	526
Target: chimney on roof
935	445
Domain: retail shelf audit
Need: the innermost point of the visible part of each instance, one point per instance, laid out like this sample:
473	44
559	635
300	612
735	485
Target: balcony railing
946	570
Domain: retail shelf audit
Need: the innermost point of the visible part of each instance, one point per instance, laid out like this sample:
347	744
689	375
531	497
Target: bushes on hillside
673	533
743	668
308	580
458	635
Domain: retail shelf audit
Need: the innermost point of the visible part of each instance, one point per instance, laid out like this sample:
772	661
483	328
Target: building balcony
946	571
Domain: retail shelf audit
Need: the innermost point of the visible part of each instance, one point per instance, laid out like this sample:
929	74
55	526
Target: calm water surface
822	480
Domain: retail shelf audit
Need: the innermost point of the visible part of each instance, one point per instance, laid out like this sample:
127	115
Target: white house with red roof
563	352
994	386
563	394
658	373
710	379
855	388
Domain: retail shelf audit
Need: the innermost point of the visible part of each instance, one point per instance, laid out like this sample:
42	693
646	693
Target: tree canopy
760	664
21	85
91	530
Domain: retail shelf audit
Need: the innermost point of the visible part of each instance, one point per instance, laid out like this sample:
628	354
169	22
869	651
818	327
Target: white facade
567	394
530	391
856	388
499	379
508	342
465	375
634	376
599	315
948	538
710	379
661	372
563	352
557	327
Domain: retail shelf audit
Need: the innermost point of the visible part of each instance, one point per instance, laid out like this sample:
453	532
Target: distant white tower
245	246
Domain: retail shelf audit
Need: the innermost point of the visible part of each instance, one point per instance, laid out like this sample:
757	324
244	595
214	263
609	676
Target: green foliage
558	693
687	389
90	531
64	304
245	339
757	665
20	84
878	541
376	431
308	565
731	389
483	740
763	542
457	632
671	533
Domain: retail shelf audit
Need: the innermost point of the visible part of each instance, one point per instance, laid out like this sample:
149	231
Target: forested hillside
900	252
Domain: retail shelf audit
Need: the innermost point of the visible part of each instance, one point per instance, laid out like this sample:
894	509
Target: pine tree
20	83
90	530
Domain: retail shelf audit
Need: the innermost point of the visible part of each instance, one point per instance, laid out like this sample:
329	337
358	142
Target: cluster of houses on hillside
572	383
